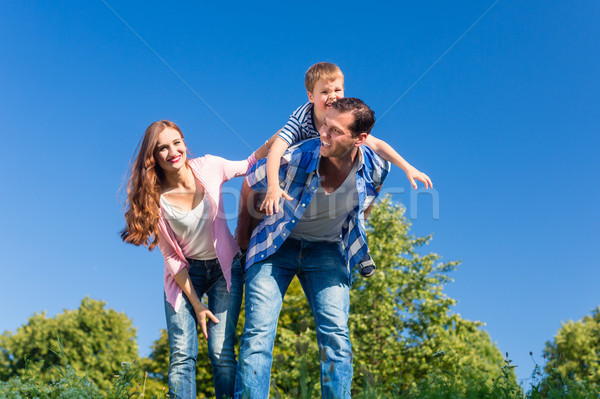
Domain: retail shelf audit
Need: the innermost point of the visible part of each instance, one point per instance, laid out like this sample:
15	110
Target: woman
176	203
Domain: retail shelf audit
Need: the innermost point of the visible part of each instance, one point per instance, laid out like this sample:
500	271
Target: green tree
574	353
401	322
94	340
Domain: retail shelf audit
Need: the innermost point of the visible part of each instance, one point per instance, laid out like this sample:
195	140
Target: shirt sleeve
257	176
291	132
173	262
233	169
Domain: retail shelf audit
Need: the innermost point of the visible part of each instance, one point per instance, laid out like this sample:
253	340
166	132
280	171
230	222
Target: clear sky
505	123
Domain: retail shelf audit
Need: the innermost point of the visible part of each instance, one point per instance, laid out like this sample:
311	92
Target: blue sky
506	124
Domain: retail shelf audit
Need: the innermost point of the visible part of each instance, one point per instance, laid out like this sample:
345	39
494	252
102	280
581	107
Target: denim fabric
208	279
322	271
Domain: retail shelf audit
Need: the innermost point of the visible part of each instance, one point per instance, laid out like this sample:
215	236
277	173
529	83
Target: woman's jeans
321	269
208	279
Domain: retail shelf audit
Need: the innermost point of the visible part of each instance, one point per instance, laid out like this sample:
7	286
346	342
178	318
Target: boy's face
326	93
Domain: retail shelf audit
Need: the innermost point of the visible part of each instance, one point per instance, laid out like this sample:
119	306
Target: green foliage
401	321
128	383
574	354
96	341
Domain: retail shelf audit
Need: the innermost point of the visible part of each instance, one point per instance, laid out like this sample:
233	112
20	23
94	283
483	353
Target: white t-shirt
193	229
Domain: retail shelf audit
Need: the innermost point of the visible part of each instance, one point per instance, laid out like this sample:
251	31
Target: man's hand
271	202
413	174
202	313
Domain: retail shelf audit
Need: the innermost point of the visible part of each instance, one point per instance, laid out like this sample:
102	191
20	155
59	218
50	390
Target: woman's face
170	151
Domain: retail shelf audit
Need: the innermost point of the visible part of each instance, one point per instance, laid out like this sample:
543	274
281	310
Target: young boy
324	84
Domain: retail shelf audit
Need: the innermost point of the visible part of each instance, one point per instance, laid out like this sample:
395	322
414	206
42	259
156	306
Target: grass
131	382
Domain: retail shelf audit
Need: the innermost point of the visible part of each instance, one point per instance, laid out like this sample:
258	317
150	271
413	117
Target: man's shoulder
308	145
374	165
303	155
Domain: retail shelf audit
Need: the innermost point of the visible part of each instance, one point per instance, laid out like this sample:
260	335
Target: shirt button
303	205
262	256
275	246
284	234
293	221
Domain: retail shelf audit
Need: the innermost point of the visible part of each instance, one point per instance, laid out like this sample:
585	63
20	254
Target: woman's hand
271	202
202	313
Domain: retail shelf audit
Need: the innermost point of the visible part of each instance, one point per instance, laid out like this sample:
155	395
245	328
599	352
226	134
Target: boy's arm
274	192
385	151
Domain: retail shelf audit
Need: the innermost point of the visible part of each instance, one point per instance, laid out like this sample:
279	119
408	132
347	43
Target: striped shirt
299	174
300	126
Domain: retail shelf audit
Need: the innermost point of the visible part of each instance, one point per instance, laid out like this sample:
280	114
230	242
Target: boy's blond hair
321	70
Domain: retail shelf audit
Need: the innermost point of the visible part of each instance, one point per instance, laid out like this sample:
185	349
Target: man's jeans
321	269
206	277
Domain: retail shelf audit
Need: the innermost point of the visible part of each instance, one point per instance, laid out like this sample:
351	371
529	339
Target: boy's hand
271	201
414	174
202	313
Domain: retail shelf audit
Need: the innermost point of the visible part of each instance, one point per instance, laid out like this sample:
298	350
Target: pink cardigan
211	172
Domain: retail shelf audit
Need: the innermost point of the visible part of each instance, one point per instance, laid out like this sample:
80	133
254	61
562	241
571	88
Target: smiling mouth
326	145
175	159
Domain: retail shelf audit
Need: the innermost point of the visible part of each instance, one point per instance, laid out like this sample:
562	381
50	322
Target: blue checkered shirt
299	177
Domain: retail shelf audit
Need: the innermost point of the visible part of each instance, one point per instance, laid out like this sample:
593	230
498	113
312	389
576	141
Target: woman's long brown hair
142	208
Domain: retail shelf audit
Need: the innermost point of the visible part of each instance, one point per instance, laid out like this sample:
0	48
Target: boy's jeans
321	269
206	277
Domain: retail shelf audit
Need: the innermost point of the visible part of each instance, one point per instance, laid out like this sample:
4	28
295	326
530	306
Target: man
319	236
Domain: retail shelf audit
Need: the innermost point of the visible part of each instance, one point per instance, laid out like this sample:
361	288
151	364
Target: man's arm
248	218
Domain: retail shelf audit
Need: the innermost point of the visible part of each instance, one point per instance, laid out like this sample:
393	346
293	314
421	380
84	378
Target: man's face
336	138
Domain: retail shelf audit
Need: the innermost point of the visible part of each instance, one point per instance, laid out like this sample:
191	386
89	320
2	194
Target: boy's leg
266	284
326	283
367	266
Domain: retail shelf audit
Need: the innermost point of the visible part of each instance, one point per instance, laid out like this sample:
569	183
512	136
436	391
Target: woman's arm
185	283
264	149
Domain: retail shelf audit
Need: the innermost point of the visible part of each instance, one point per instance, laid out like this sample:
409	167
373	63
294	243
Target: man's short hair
364	117
321	70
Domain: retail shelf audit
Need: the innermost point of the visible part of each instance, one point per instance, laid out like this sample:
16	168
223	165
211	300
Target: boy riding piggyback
324	84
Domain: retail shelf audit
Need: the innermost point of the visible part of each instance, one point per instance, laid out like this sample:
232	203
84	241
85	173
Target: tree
94	340
401	322
575	351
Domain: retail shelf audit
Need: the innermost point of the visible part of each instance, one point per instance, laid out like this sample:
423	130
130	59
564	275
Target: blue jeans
321	269
208	279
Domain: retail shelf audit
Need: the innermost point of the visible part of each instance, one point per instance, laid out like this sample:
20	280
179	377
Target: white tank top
193	229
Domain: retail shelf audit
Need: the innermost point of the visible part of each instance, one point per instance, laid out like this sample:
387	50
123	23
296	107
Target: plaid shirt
299	177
